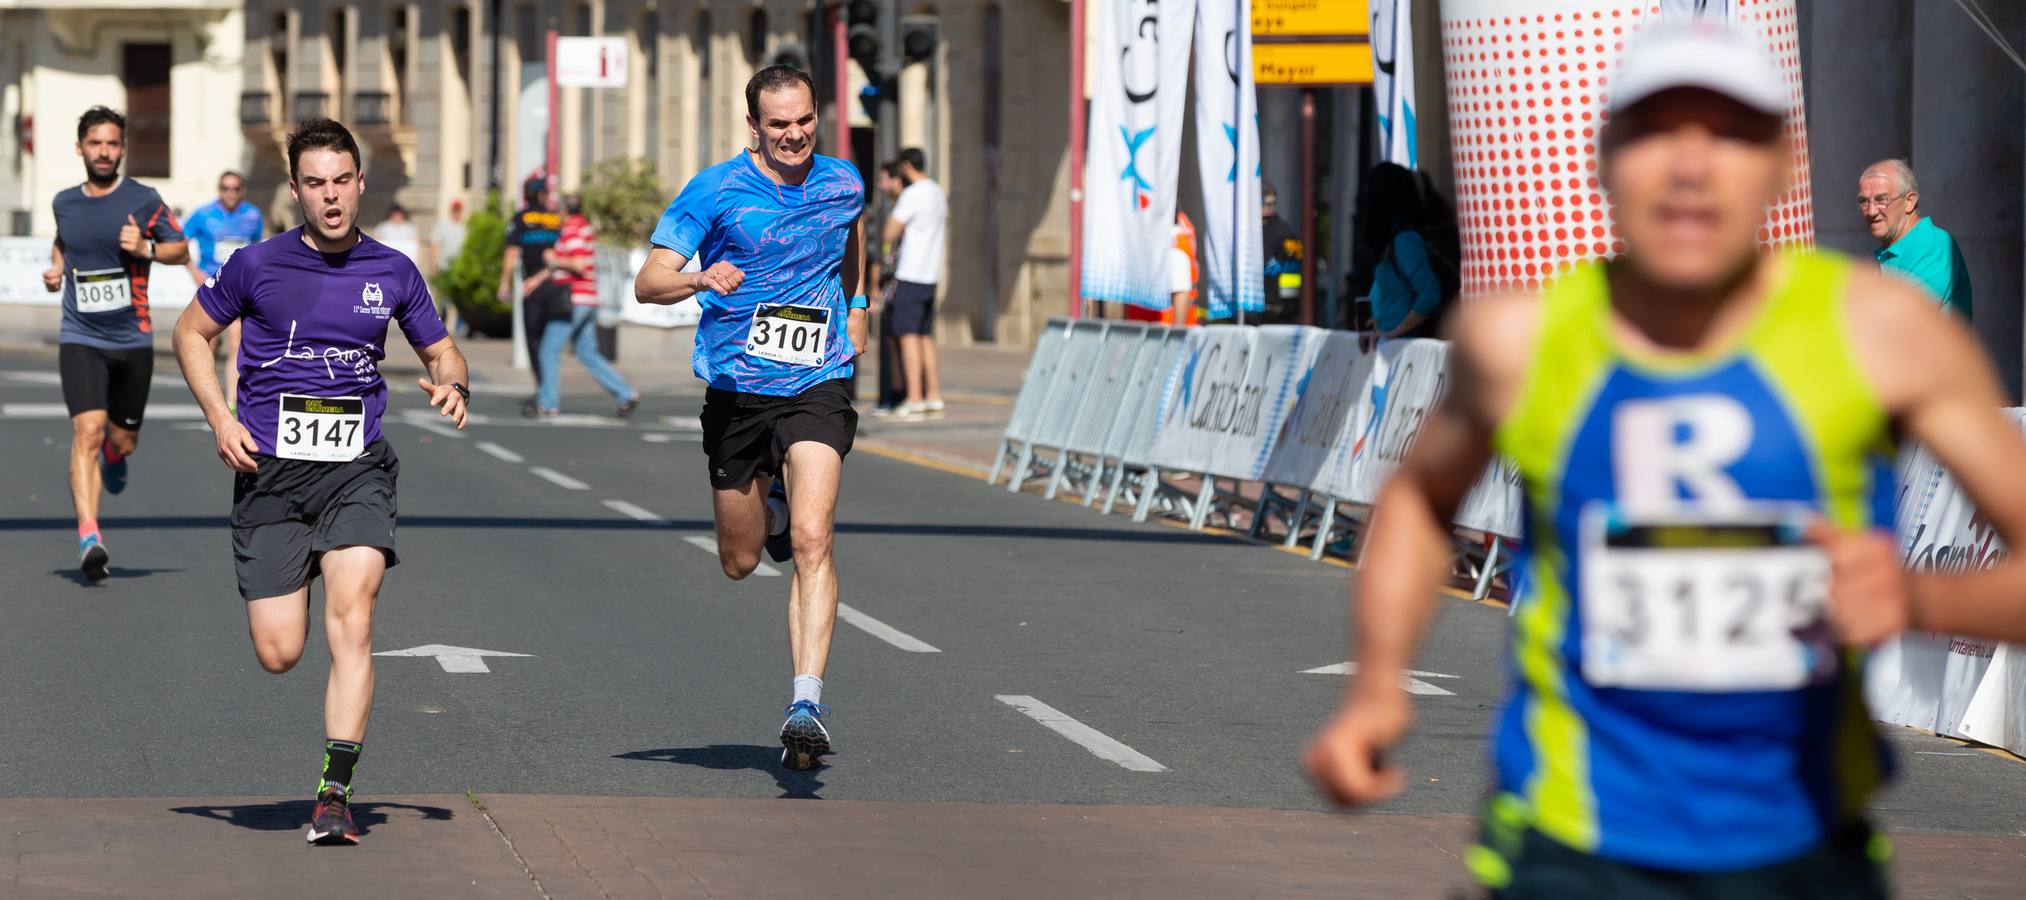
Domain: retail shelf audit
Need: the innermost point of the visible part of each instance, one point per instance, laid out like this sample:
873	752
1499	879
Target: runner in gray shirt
109	232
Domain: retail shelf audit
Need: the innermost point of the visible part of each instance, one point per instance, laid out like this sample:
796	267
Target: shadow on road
1126	532
289	815
76	576
730	757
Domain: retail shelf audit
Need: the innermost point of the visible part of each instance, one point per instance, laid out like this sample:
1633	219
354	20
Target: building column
1967	134
1856	74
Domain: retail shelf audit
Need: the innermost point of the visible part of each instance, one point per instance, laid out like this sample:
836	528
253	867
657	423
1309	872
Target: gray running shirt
111	310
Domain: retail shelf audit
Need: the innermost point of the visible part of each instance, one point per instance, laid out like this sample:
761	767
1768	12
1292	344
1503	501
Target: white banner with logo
23	260
1493	505
1950	685
1211	398
1134	158
1416	374
1227	154
1325	406
1393	80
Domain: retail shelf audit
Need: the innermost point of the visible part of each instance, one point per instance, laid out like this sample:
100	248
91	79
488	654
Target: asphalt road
648	674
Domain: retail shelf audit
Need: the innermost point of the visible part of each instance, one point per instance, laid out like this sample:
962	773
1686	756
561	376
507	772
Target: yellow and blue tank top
1671	779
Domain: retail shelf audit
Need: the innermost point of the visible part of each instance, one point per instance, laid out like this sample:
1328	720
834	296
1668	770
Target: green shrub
624	198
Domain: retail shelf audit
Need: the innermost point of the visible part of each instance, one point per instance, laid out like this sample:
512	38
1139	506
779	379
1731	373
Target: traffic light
862	34
918	38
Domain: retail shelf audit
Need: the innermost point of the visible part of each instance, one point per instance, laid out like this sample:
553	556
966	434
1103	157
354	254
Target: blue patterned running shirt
782	331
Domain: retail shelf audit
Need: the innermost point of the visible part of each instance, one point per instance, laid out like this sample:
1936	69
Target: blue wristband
858	301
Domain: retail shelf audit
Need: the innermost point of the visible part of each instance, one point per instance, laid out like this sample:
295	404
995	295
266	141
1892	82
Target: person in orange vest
1182	276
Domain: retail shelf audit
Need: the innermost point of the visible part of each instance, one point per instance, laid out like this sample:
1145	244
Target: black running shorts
290	510
115	381
748	435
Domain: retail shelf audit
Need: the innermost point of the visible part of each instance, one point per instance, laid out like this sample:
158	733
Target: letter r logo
1672	451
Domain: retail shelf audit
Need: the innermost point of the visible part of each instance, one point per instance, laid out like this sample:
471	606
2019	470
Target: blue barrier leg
1295	521
1323	524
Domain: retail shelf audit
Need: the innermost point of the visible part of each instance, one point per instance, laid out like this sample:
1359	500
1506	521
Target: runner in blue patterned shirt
775	231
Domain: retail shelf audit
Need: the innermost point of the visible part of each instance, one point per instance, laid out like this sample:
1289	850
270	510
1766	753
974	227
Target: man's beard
91	174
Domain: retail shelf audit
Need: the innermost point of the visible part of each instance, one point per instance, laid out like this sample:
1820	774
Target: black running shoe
778	545
331	824
626	409
93	558
804	740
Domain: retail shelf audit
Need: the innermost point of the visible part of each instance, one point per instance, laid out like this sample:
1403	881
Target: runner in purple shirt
314	490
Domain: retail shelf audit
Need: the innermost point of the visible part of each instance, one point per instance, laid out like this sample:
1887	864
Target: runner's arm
52	278
1937	385
855	325
507	261
195	330
662	282
446	368
1408	554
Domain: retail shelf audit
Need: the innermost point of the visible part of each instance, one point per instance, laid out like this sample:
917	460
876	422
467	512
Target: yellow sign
1294	18
1314	64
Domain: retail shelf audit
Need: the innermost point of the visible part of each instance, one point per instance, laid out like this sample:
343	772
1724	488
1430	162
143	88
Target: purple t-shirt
315	325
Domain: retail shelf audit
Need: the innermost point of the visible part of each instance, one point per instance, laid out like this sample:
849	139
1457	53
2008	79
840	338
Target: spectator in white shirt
917	224
399	233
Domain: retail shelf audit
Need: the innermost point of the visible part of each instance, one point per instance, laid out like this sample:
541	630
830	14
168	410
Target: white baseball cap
1699	54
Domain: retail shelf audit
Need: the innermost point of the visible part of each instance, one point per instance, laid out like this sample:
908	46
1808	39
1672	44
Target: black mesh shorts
748	435
291	510
116	381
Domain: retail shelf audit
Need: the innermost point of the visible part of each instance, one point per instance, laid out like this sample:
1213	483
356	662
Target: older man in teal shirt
1909	243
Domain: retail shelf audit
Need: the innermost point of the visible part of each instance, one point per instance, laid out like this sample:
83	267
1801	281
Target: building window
277	53
756	38
650	57
339	41
700	47
145	69
397	57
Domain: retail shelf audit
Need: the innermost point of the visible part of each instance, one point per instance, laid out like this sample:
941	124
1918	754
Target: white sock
808	687
777	516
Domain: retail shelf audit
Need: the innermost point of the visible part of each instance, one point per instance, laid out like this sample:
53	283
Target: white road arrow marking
1410	681
458	660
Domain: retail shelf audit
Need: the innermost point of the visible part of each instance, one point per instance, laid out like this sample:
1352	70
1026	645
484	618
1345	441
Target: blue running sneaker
804	740
92	557
113	474
778	545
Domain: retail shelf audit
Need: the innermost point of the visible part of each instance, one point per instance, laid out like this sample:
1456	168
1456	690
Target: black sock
339	758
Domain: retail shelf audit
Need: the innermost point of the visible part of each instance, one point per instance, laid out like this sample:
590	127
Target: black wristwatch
463	391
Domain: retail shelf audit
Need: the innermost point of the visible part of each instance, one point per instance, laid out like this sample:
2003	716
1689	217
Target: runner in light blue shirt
776	237
219	229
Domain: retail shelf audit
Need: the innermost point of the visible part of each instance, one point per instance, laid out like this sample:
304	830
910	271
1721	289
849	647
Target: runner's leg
123	440
741	515
352	577
279	626
87	435
814	473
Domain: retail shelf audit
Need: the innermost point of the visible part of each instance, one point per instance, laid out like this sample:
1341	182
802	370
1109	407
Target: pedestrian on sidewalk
533	231
917	223
880	263
572	262
1910	244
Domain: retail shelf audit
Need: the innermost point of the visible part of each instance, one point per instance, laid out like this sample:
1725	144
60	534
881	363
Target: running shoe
881	412
113	474
931	409
331	823
804	740
626	409
93	558
778	545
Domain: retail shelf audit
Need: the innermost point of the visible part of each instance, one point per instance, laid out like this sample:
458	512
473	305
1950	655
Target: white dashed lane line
883	631
557	478
635	512
500	453
1097	742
